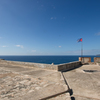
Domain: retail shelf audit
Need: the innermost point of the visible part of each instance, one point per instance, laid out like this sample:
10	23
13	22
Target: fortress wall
28	64
69	66
59	67
97	59
85	59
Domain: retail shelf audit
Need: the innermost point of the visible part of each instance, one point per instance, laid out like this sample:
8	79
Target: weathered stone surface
85	59
60	67
17	83
85	85
69	66
97	59
27	83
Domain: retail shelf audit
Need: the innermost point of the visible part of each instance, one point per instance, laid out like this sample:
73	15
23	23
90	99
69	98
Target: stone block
96	59
85	59
69	66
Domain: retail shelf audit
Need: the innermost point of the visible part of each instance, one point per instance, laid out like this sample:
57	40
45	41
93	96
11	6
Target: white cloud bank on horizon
85	52
33	50
21	46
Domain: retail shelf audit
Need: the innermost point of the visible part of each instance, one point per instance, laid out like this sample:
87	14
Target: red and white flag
79	40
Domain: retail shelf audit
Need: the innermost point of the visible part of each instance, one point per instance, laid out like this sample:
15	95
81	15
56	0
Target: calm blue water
44	59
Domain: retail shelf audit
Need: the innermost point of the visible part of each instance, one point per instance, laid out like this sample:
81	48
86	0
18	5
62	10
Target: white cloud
75	52
42	5
98	33
59	46
21	46
33	50
53	6
4	46
51	17
85	52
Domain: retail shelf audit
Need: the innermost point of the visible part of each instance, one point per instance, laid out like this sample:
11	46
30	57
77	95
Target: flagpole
80	40
82	50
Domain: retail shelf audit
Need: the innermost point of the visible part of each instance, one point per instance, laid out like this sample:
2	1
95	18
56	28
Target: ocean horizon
46	59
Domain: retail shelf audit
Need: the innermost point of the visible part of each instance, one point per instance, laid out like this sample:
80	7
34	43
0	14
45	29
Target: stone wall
28	64
96	59
85	59
69	66
59	67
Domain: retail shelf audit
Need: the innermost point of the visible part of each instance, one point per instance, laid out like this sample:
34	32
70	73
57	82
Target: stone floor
27	83
85	85
23	83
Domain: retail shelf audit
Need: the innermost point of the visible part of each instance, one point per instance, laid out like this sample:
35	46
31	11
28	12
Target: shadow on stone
52	96
71	92
90	71
72	98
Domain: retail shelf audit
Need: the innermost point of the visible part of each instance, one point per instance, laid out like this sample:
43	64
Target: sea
46	59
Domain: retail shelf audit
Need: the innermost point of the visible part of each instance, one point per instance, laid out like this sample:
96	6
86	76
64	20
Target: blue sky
49	27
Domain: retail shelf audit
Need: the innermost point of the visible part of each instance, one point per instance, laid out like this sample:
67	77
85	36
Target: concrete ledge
60	67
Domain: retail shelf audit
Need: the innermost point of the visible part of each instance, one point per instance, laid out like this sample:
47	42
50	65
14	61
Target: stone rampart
59	67
85	59
69	66
45	66
97	59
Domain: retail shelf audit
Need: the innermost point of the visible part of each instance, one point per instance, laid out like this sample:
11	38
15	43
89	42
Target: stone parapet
44	66
69	66
60	67
85	59
97	59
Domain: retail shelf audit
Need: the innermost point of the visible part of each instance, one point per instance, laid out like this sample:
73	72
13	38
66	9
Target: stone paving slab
46	92
65	96
84	98
38	73
17	68
20	84
90	67
84	84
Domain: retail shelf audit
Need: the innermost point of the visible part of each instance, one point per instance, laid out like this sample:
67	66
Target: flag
79	40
